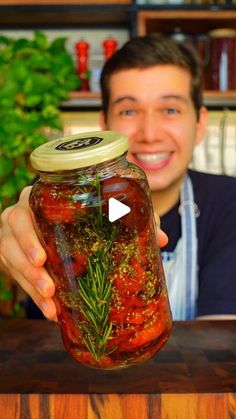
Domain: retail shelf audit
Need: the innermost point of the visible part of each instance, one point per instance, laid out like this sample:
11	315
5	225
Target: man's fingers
25	235
46	305
17	221
162	238
15	260
24	196
22	256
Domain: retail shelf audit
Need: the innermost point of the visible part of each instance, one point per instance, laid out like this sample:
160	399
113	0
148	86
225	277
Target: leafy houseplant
35	76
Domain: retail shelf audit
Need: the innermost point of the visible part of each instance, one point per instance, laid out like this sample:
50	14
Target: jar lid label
79	143
79	151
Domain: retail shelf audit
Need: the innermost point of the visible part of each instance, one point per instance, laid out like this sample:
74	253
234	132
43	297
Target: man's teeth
152	158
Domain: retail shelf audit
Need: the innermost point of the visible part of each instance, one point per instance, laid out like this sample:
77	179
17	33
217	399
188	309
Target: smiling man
151	91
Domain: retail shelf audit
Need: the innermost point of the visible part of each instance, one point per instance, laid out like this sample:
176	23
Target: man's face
154	109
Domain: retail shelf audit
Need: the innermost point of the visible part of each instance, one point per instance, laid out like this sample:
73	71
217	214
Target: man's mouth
152	158
152	161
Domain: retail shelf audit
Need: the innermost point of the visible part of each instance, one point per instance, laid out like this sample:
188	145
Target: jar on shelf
222	61
94	217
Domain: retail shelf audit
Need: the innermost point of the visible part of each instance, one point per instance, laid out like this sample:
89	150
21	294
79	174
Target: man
151	91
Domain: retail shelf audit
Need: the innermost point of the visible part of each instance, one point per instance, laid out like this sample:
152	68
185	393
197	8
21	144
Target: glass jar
111	297
222	59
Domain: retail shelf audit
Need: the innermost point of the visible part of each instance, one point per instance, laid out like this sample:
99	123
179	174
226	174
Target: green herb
35	76
95	290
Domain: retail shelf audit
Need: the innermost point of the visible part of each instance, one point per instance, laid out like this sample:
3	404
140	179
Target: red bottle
82	51
110	46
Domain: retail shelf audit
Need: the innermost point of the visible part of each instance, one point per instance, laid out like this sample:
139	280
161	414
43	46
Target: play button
116	209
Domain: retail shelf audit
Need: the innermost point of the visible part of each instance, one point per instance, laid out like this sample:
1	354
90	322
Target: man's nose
151	127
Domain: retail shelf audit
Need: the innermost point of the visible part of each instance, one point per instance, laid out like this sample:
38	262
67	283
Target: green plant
35	76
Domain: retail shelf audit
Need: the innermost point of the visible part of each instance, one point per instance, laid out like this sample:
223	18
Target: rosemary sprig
95	286
95	291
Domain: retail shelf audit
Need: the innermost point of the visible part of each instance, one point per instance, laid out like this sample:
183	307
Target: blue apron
180	266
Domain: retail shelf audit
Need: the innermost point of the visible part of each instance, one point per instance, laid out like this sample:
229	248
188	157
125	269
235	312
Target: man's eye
128	112
171	111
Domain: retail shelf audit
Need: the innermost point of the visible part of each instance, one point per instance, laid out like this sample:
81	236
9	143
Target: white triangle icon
116	209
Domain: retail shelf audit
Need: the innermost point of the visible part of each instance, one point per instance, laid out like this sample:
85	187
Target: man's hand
22	257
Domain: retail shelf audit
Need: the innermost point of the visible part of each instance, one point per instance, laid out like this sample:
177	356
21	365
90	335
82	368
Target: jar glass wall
111	296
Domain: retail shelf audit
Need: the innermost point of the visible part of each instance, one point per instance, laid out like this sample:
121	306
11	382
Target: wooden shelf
30	14
93	100
84	95
218	99
63	2
83	100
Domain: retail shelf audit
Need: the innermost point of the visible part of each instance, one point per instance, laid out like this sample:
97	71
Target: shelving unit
138	19
193	23
190	21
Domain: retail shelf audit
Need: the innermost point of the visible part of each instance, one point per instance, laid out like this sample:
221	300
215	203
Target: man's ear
201	124
102	120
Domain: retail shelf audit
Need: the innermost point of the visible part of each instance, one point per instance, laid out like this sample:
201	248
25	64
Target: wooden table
193	376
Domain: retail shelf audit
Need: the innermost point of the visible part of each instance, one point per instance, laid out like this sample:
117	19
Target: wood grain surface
192	377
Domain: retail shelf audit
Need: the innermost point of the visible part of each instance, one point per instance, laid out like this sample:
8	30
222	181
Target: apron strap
180	266
189	237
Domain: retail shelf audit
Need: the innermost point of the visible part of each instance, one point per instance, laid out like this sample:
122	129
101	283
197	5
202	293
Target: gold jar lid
79	151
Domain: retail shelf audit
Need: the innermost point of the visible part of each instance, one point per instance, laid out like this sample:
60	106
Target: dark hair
150	50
